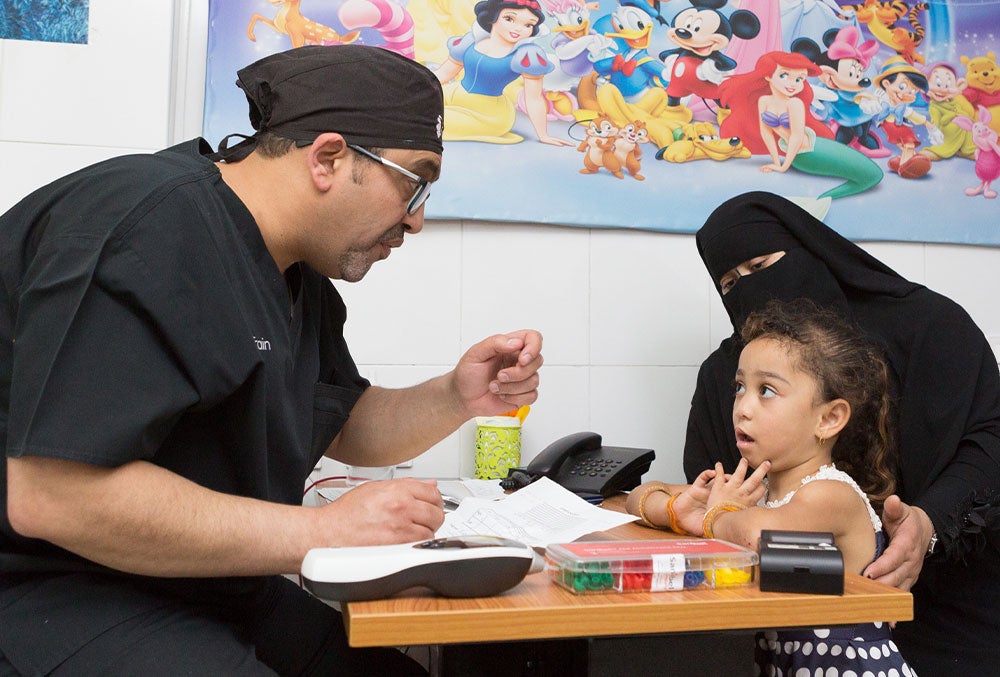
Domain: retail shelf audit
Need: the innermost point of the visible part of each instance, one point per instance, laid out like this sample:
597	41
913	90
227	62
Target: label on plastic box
668	572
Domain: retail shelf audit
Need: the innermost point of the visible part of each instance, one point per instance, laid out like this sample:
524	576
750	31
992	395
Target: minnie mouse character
843	99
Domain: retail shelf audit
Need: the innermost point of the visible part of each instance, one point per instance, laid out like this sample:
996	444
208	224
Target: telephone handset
580	463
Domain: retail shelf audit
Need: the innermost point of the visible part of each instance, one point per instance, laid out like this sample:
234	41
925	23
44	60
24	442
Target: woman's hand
909	530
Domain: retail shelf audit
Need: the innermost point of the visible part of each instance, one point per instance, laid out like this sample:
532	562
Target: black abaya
947	390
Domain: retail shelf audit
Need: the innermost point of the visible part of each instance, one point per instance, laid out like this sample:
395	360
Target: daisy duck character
575	41
577	46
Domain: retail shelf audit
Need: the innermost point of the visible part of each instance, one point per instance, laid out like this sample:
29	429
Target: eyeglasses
420	193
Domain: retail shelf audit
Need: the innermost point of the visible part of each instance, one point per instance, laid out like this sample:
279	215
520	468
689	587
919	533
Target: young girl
812	415
769	112
494	54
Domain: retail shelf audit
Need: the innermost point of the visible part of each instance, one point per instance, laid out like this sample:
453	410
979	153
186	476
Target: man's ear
325	157
834	415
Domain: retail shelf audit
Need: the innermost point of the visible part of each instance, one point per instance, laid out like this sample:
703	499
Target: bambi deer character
601	133
299	29
987	151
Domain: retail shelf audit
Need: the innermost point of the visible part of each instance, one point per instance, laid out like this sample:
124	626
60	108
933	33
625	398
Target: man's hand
909	530
381	513
499	373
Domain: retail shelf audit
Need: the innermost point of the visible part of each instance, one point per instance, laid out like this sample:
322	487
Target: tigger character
601	134
881	18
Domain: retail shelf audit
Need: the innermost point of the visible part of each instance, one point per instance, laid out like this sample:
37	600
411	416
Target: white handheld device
459	566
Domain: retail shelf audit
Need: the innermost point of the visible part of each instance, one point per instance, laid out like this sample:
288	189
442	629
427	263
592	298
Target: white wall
627	316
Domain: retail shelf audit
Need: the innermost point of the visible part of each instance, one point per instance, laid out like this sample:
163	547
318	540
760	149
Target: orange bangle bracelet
674	527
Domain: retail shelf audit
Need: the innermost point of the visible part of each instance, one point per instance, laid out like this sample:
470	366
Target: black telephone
580	463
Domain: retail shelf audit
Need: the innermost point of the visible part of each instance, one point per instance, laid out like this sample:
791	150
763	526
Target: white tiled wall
627	316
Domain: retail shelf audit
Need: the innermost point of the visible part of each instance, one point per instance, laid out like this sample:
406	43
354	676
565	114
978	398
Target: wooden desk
538	609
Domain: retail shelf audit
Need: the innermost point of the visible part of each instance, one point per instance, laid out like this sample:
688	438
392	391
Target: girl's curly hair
847	365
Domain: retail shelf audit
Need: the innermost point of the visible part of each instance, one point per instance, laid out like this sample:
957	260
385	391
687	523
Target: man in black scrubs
173	365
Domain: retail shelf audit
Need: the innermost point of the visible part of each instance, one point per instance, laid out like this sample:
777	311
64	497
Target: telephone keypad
593	466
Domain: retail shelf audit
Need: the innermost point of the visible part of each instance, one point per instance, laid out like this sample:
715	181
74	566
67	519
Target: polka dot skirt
864	650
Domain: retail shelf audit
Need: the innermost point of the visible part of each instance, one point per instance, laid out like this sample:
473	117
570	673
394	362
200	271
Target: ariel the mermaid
770	114
493	55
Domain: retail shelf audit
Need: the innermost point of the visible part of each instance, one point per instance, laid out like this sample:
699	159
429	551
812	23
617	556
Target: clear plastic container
649	566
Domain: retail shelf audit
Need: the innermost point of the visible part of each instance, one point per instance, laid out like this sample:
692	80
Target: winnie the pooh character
983	78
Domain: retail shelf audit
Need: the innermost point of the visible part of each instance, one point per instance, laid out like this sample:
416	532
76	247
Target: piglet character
987	151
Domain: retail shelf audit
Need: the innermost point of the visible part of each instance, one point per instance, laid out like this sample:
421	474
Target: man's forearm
143	519
389	426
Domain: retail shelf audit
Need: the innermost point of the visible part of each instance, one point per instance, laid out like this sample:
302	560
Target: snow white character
770	114
494	54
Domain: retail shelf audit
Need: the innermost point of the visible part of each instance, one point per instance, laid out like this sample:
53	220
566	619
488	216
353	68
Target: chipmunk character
601	134
626	152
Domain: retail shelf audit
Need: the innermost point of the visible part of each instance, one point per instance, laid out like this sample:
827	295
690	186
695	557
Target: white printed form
539	514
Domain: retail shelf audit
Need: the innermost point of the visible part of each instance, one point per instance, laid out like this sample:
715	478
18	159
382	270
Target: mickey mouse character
702	32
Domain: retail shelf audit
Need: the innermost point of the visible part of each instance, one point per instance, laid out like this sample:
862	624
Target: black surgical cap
372	96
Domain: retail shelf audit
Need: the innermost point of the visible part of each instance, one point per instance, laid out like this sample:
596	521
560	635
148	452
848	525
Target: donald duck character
634	84
632	70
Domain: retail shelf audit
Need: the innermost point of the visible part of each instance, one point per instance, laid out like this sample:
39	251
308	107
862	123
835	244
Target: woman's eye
766	392
739	388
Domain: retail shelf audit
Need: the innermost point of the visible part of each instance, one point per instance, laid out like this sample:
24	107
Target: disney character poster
879	116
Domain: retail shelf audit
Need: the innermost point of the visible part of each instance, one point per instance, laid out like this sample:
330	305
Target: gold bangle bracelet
642	504
713	513
674	527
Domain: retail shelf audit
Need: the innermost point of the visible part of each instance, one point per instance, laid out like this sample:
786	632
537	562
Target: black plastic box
800	561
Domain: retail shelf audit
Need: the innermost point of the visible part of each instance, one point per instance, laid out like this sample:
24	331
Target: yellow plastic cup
498	446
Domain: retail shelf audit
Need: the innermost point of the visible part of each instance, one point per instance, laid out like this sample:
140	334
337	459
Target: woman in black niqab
947	391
